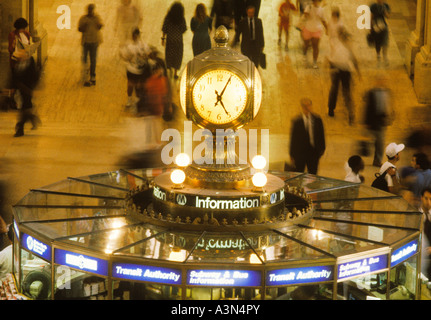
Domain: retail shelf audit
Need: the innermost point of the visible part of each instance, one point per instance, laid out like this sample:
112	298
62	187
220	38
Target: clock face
219	96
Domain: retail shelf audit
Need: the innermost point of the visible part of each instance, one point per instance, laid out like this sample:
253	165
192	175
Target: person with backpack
389	169
379	114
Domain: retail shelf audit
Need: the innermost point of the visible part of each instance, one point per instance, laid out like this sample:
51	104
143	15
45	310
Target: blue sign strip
37	247
362	266
82	262
404	252
282	277
225	278
146	273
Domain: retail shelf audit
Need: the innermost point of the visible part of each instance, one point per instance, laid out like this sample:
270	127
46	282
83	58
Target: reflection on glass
71	284
304	292
124	290
36	276
369	287
403	280
223	294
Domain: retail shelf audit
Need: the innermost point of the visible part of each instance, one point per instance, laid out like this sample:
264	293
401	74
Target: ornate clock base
239	209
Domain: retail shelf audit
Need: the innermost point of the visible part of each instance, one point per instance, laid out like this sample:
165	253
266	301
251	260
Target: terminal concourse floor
85	131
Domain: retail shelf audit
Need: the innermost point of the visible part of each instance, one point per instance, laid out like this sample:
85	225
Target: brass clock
220	88
219	96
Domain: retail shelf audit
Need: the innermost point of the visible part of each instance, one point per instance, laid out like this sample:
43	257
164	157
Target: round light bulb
258	162
178	176
259	179
182	160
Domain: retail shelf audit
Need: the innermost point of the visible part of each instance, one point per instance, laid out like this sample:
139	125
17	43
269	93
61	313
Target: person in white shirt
135	53
342	63
392	177
353	168
6	255
314	25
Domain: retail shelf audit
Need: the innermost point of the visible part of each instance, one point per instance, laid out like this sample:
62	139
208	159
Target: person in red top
284	21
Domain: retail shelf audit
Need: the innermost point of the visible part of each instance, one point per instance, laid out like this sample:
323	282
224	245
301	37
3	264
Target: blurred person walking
379	114
379	33
223	11
342	63
89	25
239	11
250	30
127	19
284	12
25	78
307	139
18	39
422	173
312	32
201	26
174	25
156	98
302	4
135	54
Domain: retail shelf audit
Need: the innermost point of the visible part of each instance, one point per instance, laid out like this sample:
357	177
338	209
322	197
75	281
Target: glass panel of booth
72	187
74	284
103	235
126	179
35	276
350	191
348	202
404	271
407	220
330	243
149	241
126	290
367	232
84	231
312	183
75	213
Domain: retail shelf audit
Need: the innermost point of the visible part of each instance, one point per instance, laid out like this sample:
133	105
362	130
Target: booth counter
75	239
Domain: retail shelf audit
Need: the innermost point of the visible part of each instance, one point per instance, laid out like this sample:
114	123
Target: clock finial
221	36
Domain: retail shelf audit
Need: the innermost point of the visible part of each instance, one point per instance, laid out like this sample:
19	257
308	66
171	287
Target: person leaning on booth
6	253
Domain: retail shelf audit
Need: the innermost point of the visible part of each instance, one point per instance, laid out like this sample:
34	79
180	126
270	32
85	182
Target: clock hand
221	94
221	102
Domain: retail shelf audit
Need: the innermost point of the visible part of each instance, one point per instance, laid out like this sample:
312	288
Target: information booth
75	239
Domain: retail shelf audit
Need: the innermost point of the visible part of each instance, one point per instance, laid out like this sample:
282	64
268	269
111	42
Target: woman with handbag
18	39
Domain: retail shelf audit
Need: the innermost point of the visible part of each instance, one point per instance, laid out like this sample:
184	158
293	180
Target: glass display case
76	240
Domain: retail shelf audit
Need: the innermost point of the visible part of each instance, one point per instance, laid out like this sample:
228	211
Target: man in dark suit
250	29
307	139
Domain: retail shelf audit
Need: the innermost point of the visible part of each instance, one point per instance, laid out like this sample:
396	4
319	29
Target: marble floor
86	131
